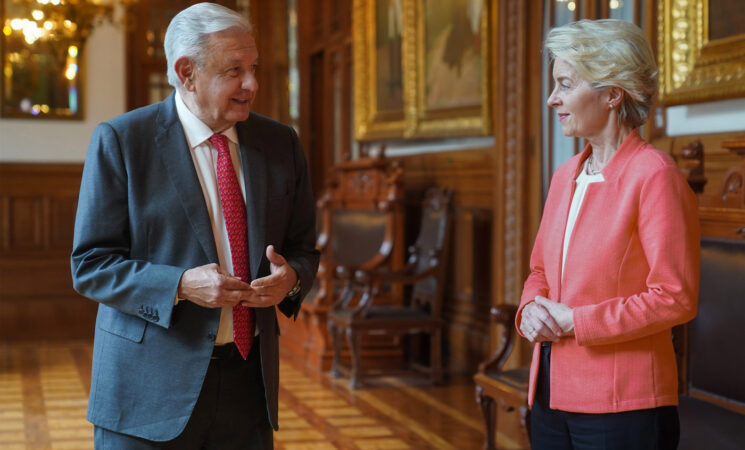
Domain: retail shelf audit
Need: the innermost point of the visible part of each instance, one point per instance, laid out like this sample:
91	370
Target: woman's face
583	110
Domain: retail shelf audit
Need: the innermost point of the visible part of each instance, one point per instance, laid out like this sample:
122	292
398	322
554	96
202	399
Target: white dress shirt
205	163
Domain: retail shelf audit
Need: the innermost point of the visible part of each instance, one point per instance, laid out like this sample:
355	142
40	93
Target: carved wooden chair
360	222
502	389
420	311
361	218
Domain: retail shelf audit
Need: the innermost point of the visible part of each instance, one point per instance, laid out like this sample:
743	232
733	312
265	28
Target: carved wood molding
693	66
511	126
733	188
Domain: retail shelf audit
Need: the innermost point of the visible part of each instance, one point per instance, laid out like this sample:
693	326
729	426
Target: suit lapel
253	163
174	151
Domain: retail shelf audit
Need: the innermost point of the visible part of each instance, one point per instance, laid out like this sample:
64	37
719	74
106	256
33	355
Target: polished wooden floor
43	398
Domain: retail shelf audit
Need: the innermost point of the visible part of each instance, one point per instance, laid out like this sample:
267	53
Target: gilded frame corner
692	67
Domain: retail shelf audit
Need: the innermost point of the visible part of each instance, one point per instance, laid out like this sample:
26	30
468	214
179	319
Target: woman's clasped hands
546	320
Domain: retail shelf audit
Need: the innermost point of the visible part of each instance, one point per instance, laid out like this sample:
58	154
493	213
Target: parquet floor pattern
44	386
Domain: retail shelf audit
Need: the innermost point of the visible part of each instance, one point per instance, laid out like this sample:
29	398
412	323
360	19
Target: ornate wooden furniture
710	354
360	219
733	188
497	388
693	165
421	311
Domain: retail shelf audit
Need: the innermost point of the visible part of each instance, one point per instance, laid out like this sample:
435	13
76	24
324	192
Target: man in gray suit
177	198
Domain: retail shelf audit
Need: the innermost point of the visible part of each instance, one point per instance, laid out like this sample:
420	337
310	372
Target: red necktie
234	211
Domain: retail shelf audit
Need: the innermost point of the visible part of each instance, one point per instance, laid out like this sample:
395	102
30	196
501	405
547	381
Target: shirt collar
628	148
197	131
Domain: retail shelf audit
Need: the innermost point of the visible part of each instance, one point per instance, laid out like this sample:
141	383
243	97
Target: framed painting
378	27
452	69
701	50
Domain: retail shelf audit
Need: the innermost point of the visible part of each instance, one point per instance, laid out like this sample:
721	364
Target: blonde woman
616	260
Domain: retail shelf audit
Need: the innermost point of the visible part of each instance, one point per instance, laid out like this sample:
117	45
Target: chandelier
60	21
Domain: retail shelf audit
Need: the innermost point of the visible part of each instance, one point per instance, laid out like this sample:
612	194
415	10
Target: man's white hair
188	34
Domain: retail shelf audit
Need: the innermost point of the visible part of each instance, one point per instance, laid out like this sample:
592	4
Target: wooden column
517	162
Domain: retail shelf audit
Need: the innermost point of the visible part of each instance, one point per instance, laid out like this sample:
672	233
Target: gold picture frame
451	92
701	51
378	69
444	62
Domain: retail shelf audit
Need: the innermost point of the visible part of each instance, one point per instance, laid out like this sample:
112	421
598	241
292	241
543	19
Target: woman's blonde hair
610	52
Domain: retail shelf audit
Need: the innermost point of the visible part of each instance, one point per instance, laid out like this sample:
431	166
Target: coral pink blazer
631	274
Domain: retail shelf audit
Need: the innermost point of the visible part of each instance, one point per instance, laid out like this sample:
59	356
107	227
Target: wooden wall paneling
468	285
4	222
26	221
468	301
37	203
331	76
324	46
269	19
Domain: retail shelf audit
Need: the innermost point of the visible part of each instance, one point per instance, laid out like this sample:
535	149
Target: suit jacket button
211	337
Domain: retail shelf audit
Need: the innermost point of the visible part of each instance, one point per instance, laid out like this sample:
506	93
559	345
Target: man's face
225	86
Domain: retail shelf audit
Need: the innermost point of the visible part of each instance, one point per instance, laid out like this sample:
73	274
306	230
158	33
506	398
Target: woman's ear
184	68
615	97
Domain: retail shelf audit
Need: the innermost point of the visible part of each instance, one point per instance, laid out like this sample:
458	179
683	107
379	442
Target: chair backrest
357	235
715	363
360	221
362	210
430	252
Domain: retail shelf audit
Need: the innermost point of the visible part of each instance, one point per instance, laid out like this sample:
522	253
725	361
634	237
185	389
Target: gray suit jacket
141	222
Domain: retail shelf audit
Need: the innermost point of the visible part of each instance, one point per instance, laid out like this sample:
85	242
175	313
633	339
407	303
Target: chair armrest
347	271
406	275
504	315
322	241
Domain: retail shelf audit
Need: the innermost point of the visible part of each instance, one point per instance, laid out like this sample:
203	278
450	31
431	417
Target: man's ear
185	69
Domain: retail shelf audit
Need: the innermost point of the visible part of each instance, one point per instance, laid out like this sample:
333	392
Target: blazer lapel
253	163
174	151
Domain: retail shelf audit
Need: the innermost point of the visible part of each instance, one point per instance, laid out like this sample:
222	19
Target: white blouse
583	180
